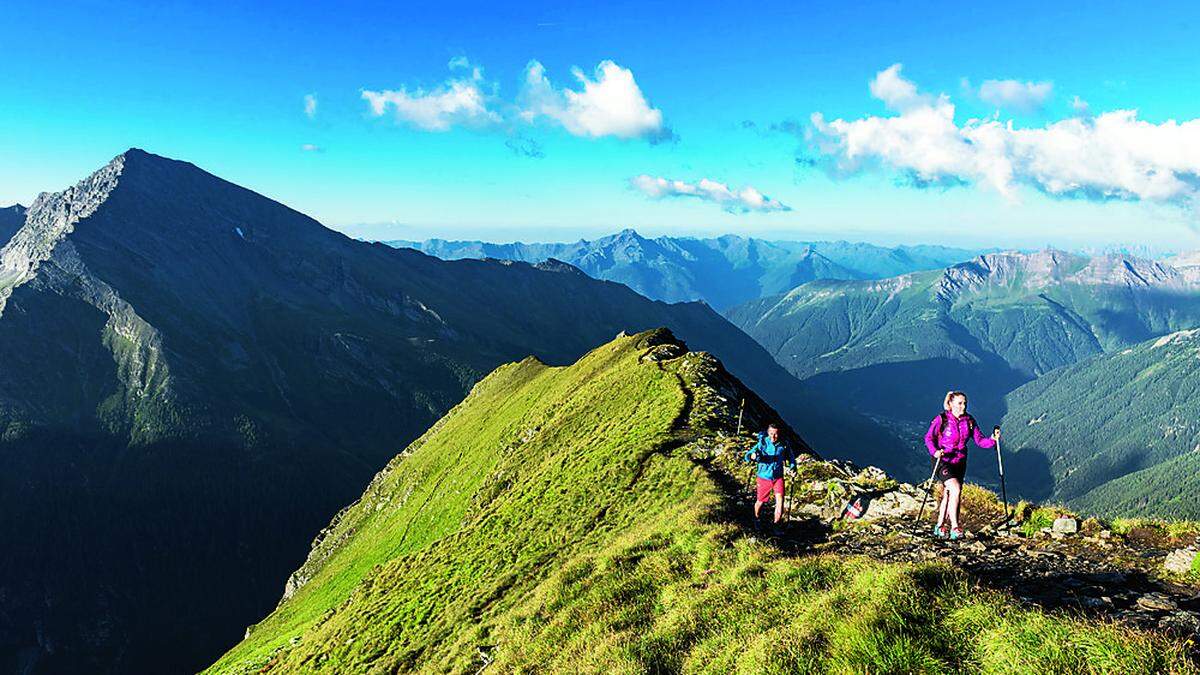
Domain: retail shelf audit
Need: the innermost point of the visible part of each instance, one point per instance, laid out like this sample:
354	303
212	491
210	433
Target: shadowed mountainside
196	378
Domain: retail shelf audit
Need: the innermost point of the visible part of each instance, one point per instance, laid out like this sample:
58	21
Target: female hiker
947	442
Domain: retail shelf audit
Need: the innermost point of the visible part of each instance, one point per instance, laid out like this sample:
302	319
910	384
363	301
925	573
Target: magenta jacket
953	437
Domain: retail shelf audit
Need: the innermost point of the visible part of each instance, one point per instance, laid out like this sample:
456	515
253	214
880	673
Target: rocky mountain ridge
1042	269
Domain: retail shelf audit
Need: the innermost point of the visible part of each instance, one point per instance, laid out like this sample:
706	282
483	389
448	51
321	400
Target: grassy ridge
558	521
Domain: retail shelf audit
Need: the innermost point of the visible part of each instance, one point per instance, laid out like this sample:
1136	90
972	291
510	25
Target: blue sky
731	87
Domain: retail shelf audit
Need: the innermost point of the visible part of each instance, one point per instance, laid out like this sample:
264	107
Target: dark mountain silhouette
196	378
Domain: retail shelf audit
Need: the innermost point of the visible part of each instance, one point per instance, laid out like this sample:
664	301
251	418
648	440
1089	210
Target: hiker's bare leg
953	491
942	508
757	506
778	506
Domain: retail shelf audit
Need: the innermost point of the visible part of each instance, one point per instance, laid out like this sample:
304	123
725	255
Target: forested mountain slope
1117	433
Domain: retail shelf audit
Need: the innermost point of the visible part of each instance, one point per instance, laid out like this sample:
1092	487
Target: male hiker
770	452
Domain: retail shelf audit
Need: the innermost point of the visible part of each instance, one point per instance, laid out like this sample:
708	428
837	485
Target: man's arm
750	454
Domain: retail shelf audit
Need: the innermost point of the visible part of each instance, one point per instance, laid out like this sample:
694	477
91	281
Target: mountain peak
1051	267
628	235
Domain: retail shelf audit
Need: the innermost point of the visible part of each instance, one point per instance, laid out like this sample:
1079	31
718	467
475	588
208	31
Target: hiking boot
939	531
956	533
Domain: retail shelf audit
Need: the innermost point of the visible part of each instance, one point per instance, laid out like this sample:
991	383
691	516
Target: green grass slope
1118	433
572	519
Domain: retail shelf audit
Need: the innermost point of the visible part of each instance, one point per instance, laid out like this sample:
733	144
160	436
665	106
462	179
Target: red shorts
766	487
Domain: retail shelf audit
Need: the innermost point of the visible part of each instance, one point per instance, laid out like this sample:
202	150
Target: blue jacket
771	457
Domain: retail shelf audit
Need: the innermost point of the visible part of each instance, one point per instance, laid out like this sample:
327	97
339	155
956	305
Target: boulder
1180	560
1181	621
895	503
1065	525
1157	601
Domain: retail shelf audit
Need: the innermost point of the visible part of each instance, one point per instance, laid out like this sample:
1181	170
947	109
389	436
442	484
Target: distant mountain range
723	271
891	348
197	378
1118	433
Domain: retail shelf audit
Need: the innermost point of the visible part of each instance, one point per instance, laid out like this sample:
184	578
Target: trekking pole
928	488
750	483
1003	489
740	408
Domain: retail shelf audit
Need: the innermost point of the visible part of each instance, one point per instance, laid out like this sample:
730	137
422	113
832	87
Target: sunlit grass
551	523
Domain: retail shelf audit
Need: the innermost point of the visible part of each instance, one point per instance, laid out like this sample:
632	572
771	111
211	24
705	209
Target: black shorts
946	471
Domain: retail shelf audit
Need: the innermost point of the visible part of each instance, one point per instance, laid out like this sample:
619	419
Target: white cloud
1081	107
309	147
460	101
612	104
1014	95
310	105
1110	156
896	92
743	200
